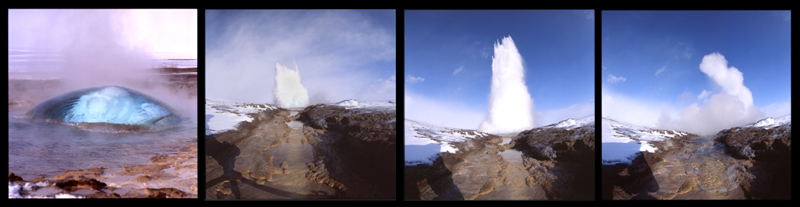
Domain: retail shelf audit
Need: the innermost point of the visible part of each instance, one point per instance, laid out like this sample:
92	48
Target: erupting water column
510	104
289	92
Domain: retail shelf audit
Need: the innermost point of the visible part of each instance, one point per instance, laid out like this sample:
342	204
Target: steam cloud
289	92
510	104
733	106
99	47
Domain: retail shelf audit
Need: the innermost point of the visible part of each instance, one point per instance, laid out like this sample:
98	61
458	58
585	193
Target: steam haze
733	106
696	71
95	47
341	54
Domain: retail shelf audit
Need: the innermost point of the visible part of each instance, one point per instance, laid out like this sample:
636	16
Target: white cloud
683	50
412	79
731	79
703	94
615	79
661	70
458	70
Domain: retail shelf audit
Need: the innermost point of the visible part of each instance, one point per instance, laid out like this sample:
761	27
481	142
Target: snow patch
574	123
425	142
770	122
355	104
224	115
622	142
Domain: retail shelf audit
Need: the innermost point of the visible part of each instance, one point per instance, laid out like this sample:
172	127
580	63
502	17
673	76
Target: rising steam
733	106
98	47
289	92
510	104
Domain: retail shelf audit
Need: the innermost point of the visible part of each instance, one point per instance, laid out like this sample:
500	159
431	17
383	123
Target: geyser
733	106
510	104
107	104
289	92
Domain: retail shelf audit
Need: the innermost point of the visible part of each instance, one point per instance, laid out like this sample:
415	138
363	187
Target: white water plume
289	91
510	104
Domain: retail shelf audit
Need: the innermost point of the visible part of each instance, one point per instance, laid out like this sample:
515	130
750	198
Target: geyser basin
107	104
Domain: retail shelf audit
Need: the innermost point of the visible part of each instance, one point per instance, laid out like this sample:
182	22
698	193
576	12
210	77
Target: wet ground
263	159
515	183
697	168
502	168
137	164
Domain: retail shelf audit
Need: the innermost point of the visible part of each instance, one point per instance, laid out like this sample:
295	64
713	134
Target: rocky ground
737	163
538	164
320	152
167	175
562	161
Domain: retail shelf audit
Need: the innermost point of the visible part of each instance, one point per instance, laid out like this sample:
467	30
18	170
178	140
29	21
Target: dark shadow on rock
358	149
366	169
436	177
769	150
413	175
571	153
771	173
444	187
226	154
636	181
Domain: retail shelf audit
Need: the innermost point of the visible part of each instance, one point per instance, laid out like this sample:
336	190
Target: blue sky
341	54
650	59
448	57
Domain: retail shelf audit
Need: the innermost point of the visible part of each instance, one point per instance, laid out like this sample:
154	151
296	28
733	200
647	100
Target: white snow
425	142
574	123
349	102
224	115
353	104
621	142
566	123
15	191
770	122
647	147
64	195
